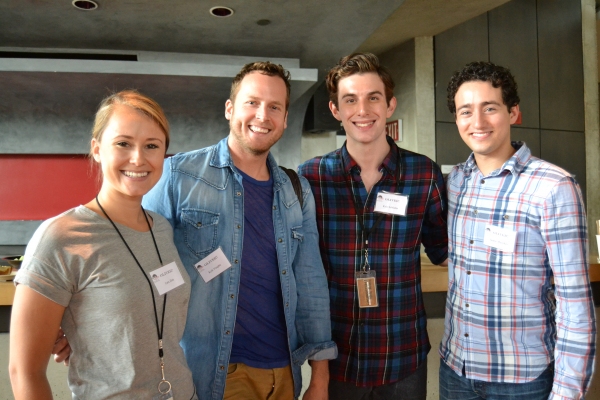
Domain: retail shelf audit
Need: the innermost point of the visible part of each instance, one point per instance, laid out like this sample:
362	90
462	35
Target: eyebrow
485	103
131	137
368	94
259	99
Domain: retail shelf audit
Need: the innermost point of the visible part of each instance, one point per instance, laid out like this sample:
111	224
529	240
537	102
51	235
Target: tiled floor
57	374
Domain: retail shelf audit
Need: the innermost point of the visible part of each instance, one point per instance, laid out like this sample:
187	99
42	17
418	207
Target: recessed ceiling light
221	12
85	5
263	22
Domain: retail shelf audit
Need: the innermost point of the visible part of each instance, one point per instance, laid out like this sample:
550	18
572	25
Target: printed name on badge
391	203
166	278
212	265
500	238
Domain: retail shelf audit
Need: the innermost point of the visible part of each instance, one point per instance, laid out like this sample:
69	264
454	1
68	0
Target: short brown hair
358	63
135	100
265	68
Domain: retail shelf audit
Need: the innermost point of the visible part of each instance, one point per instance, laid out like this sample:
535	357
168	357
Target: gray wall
541	43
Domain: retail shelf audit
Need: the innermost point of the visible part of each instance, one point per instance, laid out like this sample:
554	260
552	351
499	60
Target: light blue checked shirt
509	314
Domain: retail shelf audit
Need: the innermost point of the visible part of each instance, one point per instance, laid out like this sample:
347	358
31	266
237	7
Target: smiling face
258	116
362	108
483	121
130	152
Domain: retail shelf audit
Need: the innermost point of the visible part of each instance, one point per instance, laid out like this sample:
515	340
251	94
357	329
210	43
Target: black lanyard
159	331
367	232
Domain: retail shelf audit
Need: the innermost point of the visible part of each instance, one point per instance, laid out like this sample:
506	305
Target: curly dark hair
358	63
498	76
265	68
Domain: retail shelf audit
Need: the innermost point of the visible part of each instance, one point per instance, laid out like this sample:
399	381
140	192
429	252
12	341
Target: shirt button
280	240
274	207
287	304
284	272
475	212
221	367
239	226
466	335
227	332
198	224
505	217
238	193
232	296
471	241
468	272
467	305
482	181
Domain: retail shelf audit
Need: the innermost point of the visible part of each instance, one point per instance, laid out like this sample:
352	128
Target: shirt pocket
200	230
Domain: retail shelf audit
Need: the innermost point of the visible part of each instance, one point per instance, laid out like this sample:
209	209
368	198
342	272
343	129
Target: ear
514	114
334	111
228	109
391	107
285	120
96	150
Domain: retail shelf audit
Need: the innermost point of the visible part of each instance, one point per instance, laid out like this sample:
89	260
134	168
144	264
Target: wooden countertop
7	292
433	279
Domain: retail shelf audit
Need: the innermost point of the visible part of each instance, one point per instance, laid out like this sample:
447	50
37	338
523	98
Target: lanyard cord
159	332
358	210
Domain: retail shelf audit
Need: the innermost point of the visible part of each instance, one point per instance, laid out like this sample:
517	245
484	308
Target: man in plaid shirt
376	205
520	319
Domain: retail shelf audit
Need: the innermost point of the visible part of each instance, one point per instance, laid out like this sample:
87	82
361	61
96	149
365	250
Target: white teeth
259	129
480	134
135	174
363	124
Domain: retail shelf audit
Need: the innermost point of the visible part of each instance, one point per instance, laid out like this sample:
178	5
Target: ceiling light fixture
221	12
85	5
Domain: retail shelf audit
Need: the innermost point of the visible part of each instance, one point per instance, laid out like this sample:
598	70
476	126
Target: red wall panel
36	187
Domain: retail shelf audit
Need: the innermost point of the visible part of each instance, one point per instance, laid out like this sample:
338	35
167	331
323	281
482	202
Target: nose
262	112
363	107
137	156
478	119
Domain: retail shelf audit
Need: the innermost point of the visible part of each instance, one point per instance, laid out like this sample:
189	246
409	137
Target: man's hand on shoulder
318	389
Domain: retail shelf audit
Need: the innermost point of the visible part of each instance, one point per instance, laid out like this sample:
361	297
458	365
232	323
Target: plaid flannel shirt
380	345
505	319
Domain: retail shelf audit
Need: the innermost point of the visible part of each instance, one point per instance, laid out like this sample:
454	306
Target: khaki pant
244	382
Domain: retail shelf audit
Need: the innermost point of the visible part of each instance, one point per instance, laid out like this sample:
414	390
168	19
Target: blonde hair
135	100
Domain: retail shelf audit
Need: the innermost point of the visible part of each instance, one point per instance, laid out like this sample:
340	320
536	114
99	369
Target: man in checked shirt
376	204
520	320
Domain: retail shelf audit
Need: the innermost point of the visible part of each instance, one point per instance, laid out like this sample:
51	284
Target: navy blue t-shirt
260	335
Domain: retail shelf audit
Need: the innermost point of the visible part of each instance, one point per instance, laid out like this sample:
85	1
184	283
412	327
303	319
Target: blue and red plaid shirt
385	344
506	320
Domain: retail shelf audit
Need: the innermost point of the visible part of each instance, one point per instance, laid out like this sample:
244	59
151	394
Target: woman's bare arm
34	322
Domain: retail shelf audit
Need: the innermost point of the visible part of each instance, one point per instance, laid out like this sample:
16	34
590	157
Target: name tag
391	203
212	265
166	278
500	238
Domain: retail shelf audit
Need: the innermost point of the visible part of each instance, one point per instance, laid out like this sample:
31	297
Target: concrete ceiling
316	32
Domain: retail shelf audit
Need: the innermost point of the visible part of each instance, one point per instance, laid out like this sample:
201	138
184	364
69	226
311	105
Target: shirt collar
514	164
389	162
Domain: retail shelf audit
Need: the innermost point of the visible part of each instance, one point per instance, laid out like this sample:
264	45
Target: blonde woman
107	272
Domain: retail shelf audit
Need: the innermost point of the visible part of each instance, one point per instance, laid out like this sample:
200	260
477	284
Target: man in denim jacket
251	326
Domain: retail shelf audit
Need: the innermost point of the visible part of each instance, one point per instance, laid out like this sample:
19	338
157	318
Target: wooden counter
434	279
7	292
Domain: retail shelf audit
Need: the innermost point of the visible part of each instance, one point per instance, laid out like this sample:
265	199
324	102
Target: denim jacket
202	196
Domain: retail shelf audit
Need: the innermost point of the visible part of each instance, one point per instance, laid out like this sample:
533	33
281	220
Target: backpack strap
295	183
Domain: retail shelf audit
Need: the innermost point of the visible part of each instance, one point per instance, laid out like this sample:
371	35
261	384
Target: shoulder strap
295	183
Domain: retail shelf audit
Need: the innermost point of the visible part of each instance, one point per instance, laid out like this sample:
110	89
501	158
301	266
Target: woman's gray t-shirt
78	260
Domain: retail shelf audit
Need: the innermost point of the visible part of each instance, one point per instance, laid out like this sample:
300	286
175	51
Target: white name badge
212	265
166	278
500	238
391	203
